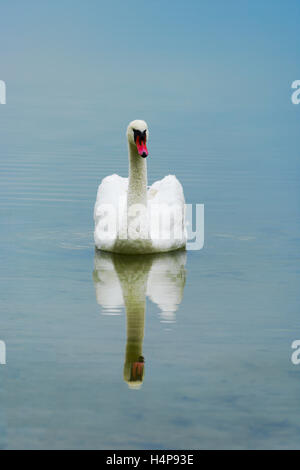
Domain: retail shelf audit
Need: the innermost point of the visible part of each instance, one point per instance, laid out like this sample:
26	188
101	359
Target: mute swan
122	280
131	218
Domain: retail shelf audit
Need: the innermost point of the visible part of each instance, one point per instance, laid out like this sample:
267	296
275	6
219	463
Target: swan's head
137	134
134	373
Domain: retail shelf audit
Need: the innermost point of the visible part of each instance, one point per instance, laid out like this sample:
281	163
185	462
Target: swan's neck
137	186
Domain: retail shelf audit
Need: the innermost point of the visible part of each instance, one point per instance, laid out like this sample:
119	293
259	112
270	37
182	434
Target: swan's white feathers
167	190
166	193
111	189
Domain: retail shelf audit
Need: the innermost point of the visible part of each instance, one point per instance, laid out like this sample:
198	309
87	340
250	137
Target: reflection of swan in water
126	280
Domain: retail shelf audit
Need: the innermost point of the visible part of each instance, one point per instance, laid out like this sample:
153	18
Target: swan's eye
141	135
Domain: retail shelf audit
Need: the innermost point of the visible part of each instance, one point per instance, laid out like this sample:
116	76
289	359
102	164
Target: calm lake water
182	351
217	325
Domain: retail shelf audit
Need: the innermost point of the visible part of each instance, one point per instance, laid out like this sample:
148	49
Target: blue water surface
213	81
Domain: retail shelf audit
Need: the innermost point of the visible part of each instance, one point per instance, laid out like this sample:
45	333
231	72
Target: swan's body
148	220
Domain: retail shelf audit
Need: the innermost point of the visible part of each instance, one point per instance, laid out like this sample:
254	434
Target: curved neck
137	185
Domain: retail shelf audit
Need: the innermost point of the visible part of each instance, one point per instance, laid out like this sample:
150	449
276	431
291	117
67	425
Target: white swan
132	218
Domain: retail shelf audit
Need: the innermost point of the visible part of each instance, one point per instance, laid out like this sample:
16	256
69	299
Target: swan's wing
166	283
111	189
168	190
107	285
111	199
166	197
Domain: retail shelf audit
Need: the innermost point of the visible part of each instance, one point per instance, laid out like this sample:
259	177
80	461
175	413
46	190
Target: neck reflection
125	281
